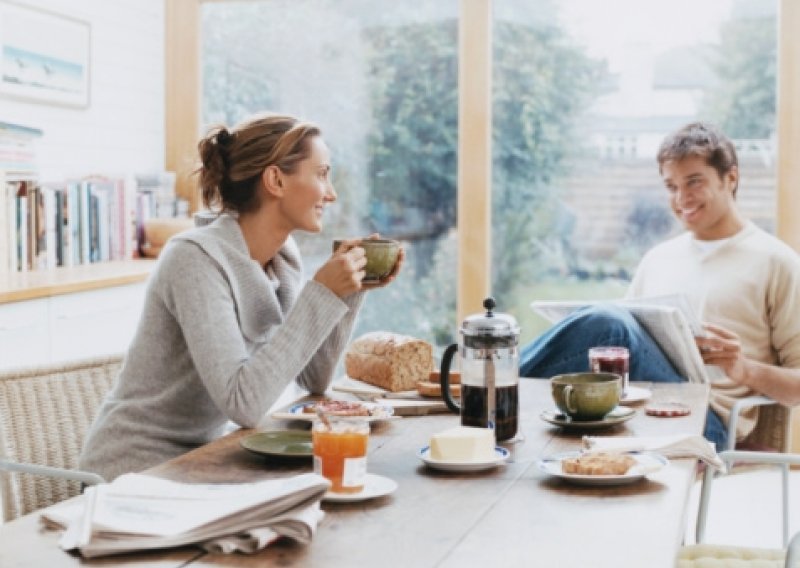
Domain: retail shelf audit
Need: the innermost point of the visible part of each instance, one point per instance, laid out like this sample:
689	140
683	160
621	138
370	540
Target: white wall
122	130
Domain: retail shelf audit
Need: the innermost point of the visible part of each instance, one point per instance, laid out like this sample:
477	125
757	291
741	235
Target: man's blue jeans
564	349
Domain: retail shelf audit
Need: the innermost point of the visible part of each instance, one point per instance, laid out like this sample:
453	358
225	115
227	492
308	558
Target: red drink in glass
610	360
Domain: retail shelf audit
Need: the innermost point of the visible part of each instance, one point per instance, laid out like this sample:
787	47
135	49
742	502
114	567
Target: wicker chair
773	428
45	413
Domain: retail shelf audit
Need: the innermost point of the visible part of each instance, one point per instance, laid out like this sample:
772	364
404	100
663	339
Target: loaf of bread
389	360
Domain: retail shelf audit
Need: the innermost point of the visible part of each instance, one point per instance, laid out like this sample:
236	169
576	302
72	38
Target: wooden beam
474	155
788	117
182	94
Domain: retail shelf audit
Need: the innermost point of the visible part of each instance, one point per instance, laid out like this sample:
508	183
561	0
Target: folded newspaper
140	512
669	320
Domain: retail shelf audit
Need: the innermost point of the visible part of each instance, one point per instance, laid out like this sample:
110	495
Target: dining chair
773	428
703	555
45	413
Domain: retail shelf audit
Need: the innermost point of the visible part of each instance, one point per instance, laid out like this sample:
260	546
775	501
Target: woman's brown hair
233	160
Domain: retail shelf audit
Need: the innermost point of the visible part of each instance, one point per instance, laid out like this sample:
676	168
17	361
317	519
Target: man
745	282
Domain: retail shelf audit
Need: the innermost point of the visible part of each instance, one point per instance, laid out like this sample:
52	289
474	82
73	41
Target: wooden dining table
511	515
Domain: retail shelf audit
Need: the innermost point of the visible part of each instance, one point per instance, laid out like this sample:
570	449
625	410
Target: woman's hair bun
223	137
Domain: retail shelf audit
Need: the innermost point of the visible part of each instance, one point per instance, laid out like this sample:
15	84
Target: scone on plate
598	464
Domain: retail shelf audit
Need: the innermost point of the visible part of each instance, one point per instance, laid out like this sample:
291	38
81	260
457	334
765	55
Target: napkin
676	446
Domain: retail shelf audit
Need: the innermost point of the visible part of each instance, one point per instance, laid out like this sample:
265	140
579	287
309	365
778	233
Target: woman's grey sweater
218	340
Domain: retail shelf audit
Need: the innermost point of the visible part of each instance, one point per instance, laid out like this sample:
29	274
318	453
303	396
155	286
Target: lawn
531	324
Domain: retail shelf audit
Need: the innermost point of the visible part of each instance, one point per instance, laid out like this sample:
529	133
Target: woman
227	321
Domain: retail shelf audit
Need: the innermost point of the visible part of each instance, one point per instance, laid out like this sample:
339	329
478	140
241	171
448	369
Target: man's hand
723	348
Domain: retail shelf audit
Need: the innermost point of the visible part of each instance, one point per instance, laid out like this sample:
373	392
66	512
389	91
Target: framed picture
44	56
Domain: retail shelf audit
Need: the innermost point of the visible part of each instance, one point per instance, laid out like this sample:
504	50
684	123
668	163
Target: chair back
45	413
773	430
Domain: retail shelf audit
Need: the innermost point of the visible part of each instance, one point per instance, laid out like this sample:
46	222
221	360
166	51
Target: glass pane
584	92
380	78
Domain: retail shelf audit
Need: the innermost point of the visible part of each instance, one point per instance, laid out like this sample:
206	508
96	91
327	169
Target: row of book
44	226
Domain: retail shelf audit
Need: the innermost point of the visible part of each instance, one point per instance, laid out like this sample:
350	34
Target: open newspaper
669	320
140	512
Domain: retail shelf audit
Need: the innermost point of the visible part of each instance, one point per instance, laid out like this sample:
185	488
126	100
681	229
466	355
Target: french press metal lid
490	330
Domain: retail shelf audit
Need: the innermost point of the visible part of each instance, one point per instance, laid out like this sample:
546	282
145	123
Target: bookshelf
22	286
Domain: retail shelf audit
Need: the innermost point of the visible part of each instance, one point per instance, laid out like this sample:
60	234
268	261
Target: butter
463	444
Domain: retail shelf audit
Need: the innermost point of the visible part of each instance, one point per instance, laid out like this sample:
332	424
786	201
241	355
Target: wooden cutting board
421	407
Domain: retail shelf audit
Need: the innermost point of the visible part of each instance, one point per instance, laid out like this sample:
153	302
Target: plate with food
498	458
307	410
602	468
280	443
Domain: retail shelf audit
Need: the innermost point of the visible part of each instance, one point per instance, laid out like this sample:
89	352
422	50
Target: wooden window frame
182	117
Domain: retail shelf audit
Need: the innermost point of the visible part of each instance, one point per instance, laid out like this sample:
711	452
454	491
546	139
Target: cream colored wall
122	130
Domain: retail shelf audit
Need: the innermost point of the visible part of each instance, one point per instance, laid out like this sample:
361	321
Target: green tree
541	84
743	101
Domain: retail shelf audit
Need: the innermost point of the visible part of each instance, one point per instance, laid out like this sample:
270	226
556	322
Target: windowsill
21	286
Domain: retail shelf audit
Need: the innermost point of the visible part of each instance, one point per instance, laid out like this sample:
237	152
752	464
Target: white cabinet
98	322
24	333
69	326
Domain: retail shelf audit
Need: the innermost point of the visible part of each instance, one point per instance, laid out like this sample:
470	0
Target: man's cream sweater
749	285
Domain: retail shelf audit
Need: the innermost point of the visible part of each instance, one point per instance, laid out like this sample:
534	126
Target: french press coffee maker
489	372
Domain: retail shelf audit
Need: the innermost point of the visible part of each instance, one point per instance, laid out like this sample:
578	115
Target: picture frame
44	56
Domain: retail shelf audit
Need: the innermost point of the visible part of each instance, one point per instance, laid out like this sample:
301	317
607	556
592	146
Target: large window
584	92
380	78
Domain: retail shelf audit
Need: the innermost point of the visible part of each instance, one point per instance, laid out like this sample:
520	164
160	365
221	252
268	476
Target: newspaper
669	320
140	512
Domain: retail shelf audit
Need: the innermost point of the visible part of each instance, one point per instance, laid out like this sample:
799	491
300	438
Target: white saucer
500	456
635	394
375	486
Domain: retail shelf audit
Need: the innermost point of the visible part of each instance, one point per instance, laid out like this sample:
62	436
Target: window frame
182	129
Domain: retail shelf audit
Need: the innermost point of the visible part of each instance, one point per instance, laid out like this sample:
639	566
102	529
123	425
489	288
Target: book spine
11	198
58	229
22	228
73	200
49	256
83	198
5	221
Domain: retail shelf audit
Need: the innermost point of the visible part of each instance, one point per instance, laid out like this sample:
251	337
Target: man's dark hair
702	140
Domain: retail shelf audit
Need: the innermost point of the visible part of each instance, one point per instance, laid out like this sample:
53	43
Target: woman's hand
343	272
724	349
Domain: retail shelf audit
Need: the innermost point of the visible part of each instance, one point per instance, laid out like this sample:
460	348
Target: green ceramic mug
381	257
586	396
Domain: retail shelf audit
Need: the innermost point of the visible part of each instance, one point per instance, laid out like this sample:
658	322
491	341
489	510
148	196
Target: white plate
295	412
635	394
375	486
647	462
500	456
